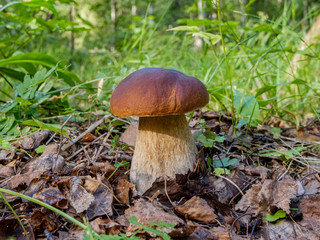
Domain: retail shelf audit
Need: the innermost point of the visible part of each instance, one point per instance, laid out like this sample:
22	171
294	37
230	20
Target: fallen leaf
147	212
285	229
35	168
51	149
102	203
260	198
130	134
6	156
88	138
72	234
123	189
6	172
78	197
311	213
11	229
198	209
98	225
261	171
41	221
53	197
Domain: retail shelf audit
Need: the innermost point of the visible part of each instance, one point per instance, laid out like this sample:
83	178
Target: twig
103	143
253	228
91	128
84	147
230	181
48	235
166	192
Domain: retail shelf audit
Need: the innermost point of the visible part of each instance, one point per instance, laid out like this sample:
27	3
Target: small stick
91	128
103	143
84	147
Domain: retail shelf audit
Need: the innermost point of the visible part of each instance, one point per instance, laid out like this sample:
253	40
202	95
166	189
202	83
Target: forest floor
256	183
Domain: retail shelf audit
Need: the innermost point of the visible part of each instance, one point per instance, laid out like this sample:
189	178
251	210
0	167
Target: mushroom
164	145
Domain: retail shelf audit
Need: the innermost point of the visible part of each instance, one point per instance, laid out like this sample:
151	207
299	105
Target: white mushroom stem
164	148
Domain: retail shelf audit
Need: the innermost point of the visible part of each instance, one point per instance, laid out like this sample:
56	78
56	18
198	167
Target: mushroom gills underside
164	147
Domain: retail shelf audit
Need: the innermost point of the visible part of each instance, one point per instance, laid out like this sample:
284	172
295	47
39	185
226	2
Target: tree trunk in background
134	8
197	40
114	20
72	35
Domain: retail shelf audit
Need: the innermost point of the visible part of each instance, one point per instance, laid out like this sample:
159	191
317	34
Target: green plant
90	234
278	215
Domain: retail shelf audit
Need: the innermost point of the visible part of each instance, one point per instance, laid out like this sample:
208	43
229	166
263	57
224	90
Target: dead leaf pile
269	173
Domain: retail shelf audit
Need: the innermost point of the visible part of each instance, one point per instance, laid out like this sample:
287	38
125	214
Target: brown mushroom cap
157	92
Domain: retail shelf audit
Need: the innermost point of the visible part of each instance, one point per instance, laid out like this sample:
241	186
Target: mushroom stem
164	148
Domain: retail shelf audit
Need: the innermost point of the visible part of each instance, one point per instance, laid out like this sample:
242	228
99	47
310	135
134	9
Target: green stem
75	221
15	214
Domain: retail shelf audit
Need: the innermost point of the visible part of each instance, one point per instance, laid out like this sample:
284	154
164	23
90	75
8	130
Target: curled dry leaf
88	138
102	203
78	197
123	190
6	156
147	212
6	172
198	209
52	196
271	193
98	225
35	168
129	136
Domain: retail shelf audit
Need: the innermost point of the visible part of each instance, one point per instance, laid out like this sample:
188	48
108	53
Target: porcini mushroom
164	145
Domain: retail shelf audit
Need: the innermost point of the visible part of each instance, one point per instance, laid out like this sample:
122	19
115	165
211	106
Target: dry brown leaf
6	172
311	186
102	203
6	156
285	229
98	225
52	196
10	227
311	213
78	197
130	134
146	212
88	138
72	234
35	168
123	190
198	209
261	171
91	184
41	221
51	149
22	179
271	193
250	202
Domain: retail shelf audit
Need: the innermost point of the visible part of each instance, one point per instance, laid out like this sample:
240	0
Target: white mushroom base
164	148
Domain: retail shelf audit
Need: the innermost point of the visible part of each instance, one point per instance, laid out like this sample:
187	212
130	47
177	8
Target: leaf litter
243	177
